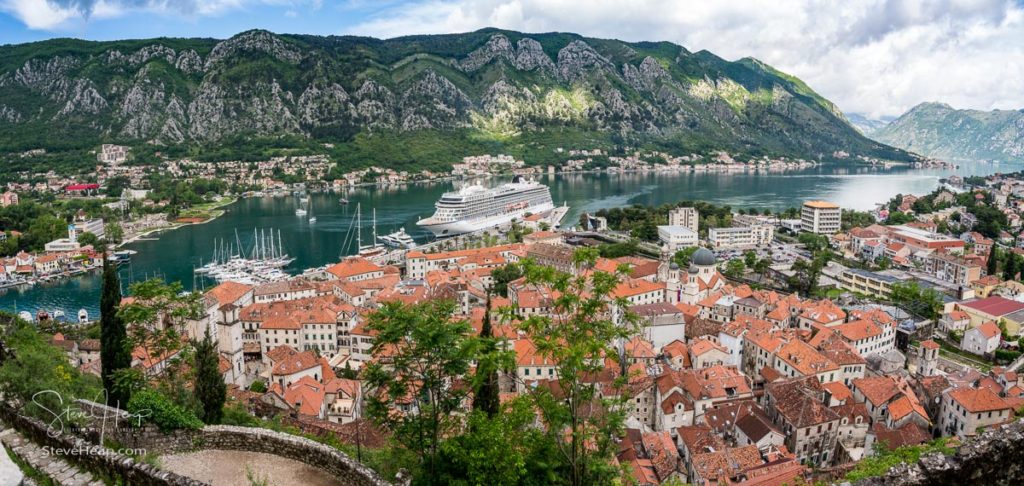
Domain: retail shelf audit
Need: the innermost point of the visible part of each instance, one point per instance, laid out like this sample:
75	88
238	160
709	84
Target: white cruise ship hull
444	229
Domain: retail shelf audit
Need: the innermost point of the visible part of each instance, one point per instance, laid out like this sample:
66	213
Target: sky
873	57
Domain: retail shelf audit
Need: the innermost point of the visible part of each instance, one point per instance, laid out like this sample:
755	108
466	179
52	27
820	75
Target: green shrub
1006	355
162	412
235	414
258	386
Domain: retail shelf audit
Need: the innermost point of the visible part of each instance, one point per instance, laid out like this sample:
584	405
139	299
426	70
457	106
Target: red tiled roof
996	306
977	400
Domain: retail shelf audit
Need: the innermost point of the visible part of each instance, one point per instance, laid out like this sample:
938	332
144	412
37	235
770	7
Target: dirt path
239	468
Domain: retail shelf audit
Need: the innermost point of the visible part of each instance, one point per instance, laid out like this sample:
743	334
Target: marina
263	263
175	254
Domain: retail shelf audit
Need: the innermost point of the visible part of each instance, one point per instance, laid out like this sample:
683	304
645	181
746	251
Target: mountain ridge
492	88
938	130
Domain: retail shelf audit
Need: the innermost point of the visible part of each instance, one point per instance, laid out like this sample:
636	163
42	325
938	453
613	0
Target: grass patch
884	459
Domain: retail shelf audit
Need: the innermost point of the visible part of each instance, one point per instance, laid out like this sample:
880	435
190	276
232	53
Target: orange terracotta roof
977	400
295	363
352	267
229	292
877	389
858	330
804	358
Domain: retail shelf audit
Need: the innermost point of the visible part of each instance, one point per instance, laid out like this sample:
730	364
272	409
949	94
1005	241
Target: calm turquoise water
175	253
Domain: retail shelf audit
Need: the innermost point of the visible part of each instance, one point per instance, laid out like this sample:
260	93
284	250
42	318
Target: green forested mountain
420	101
939	130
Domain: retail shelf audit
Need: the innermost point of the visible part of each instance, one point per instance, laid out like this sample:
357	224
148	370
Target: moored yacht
398	239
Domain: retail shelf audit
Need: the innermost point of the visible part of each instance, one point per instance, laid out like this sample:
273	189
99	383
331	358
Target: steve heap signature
92	413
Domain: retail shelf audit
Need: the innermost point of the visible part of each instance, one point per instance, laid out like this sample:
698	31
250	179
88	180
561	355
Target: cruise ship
475	207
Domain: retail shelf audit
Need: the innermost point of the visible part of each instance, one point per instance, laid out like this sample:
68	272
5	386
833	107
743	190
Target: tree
485	396
37	374
89	239
993	261
750	258
762	266
807	273
851	219
682	257
504	275
420	351
734	268
578	336
814	243
113	232
897	217
924	302
507	449
209	388
115	350
1012	266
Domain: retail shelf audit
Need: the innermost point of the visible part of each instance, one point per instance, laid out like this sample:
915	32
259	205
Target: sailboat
312	219
300	211
368	250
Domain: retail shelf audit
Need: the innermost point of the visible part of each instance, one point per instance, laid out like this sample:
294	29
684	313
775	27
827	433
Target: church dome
703	257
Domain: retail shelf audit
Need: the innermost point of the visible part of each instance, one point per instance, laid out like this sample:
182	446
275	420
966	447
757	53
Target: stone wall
227	437
86	455
993	459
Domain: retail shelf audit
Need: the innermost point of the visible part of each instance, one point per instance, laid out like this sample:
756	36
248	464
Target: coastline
215	211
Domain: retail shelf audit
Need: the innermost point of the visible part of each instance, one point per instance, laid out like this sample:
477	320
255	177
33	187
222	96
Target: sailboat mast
359	224
374	227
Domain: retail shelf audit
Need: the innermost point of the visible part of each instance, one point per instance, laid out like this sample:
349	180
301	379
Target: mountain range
866	124
409	101
941	131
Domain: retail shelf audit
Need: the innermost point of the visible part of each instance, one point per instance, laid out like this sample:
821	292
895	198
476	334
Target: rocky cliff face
939	130
497	83
992	458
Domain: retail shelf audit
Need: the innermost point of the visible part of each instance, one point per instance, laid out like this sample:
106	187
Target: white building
741	236
821	217
685	217
112	154
94	226
981	340
61	244
674	238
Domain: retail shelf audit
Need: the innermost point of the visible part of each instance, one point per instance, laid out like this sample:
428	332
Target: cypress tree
993	261
1011	266
486	397
209	387
114	352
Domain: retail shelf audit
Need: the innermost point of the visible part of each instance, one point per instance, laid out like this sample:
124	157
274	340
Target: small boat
343	201
398	239
58	315
25	316
42	315
83	316
300	212
312	219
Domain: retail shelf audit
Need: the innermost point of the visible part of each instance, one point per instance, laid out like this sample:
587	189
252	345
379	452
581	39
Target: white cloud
55	15
40	15
878	57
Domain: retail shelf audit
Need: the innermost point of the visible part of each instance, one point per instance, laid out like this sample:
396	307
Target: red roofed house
982	340
80	189
965	410
994	309
294	367
355	269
